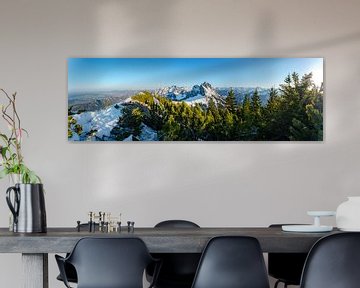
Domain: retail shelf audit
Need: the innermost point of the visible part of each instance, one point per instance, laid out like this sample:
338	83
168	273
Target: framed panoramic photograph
195	99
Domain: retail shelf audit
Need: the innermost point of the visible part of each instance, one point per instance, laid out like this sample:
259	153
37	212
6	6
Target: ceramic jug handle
13	208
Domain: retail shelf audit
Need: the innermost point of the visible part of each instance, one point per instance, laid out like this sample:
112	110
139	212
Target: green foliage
230	101
300	114
144	97
293	112
256	107
12	161
78	128
129	123
27	175
73	127
171	130
311	128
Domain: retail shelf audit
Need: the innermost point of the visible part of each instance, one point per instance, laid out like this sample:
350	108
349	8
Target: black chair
176	224
232	262
333	262
108	263
286	267
69	269
178	269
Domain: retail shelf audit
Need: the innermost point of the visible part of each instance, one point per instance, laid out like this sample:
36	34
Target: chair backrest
333	262
176	224
232	262
286	267
110	262
178	269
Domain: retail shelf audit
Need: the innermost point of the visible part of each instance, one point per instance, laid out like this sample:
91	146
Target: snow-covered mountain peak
206	84
197	94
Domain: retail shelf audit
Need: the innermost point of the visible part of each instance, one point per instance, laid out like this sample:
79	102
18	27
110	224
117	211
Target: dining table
35	247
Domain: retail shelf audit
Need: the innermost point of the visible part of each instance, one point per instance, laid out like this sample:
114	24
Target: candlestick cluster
104	222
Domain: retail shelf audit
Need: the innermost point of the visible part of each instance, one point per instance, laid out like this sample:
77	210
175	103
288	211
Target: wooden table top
158	240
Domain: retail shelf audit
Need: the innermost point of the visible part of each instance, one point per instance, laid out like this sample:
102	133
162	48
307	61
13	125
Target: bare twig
14	123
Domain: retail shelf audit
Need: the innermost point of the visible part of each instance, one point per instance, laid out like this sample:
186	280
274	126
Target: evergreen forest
293	112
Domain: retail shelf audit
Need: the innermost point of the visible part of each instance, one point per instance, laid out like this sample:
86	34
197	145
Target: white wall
214	184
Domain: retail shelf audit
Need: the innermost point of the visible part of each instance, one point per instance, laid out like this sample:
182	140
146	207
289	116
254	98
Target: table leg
35	270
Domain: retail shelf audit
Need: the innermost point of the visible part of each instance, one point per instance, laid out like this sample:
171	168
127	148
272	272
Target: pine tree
272	104
257	116
214	109
197	121
256	106
300	112
171	130
290	106
246	109
230	101
271	116
208	127
229	128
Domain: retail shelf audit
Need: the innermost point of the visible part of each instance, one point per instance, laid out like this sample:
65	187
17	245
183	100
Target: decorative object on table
28	208
27	205
195	99
316	227
131	226
102	222
78	225
348	214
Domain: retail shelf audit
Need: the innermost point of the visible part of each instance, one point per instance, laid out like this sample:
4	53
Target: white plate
350	229
306	228
321	213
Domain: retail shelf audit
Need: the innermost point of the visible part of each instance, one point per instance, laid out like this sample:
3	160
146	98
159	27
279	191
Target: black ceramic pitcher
28	207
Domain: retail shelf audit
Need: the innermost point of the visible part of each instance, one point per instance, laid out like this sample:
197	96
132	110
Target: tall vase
27	204
348	214
13	179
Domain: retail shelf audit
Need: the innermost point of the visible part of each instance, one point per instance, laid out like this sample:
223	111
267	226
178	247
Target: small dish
306	228
321	213
316	227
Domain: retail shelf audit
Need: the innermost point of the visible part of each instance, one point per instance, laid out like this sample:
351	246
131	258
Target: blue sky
101	74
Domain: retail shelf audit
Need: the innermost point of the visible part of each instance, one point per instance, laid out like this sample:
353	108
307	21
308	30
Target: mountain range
204	92
99	116
197	94
241	92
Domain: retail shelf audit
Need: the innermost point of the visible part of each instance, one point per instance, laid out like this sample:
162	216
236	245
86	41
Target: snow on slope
102	120
147	134
196	99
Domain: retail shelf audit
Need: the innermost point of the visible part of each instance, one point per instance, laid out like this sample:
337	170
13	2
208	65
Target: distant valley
94	101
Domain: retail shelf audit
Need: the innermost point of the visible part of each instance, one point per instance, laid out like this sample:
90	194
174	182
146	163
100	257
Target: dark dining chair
70	271
178	269
232	262
286	267
333	262
108	263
